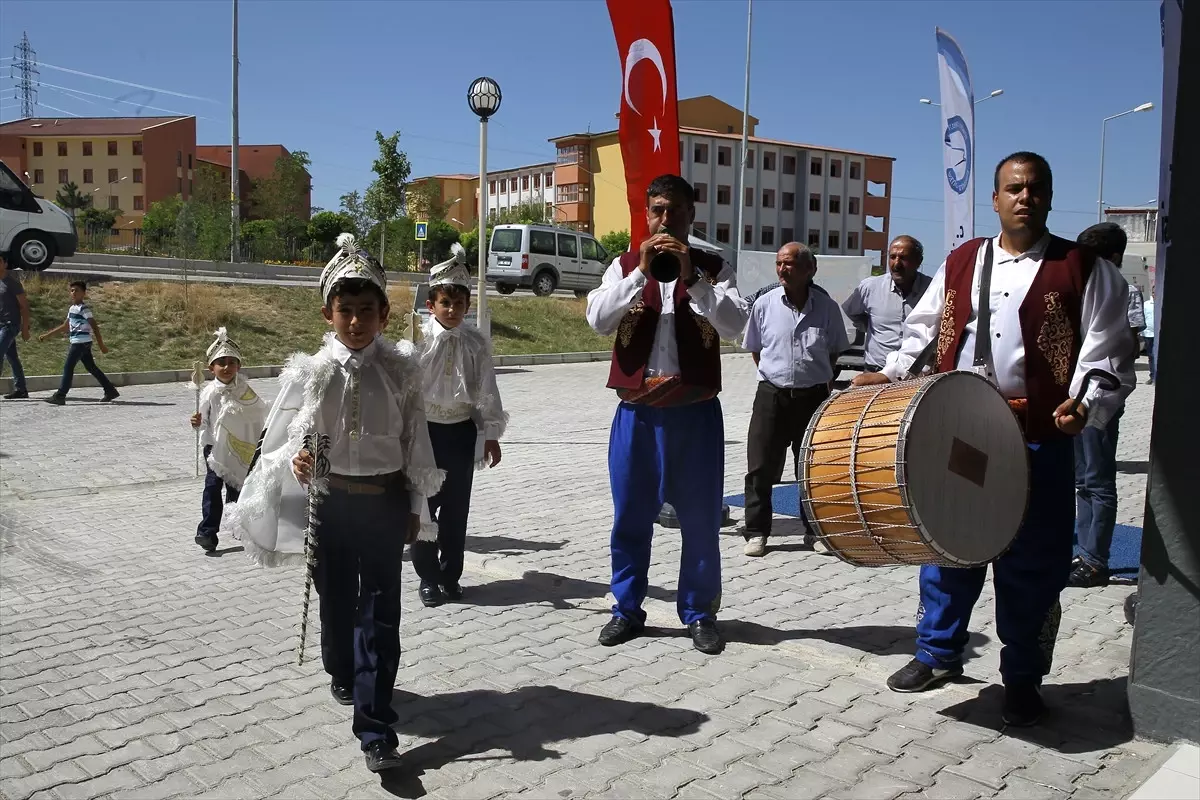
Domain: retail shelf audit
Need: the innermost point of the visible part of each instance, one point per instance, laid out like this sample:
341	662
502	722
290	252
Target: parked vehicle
33	231
544	258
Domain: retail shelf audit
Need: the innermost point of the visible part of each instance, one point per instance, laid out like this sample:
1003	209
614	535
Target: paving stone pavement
131	665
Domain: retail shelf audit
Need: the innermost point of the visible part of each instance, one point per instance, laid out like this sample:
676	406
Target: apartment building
836	200
124	163
255	162
528	185
457	195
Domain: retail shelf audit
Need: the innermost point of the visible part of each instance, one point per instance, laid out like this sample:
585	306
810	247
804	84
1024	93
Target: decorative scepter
196	384
317	444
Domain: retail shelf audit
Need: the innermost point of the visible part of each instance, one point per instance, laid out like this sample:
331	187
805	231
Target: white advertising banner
958	140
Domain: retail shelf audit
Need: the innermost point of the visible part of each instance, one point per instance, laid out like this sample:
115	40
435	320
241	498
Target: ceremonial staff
197	384
317	444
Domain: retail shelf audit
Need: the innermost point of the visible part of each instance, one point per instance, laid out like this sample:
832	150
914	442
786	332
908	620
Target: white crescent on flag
645	50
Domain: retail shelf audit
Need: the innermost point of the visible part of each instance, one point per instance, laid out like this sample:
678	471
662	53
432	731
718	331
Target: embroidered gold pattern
708	333
355	405
1056	340
629	322
945	330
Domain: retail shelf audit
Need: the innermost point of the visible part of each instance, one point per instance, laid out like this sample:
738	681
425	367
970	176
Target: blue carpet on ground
1123	558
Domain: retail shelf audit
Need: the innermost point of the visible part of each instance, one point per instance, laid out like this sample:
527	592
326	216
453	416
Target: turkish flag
649	131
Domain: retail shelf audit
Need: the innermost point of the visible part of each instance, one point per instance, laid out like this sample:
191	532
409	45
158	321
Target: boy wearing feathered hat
230	419
466	421
361	495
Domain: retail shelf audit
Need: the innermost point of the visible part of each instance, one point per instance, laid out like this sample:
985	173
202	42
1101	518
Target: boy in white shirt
230	420
361	495
462	404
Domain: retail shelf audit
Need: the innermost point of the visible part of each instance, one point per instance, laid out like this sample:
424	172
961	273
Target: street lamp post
483	97
996	93
1103	130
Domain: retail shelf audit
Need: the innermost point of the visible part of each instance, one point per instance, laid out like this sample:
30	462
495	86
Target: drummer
1055	312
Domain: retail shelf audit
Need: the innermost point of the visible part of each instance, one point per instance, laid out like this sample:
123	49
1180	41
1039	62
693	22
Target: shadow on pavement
224	550
1080	718
508	545
546	587
71	401
1133	467
522	721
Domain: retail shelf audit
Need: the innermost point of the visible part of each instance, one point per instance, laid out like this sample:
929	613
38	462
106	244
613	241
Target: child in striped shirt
81	328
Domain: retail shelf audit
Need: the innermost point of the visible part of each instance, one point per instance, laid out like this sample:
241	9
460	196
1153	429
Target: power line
120	82
931	200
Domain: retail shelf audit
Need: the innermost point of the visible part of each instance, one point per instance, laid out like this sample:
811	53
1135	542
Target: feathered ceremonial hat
223	346
452	272
351	261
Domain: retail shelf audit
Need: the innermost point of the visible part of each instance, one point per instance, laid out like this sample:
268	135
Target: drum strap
983	343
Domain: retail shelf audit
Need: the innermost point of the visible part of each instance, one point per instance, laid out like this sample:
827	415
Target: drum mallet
1106	380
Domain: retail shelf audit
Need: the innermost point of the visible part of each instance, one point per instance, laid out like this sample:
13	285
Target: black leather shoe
453	592
110	396
917	676
20	394
208	543
56	399
705	636
1023	706
1085	576
618	630
380	756
343	693
431	595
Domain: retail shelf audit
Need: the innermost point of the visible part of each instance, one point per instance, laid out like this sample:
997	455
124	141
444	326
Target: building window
179	182
62	149
112	176
814	238
39	176
724	156
114	203
700	153
852	240
748	235
178	158
87	148
568	193
789	165
190	189
537	181
855	170
786	235
524	183
835	240
491	187
814	202
724	195
112	148
189	160
63	176
835	204
137	176
138	204
701	229
769	162
512	184
114	232
750	158
549	179
749	197
835	168
571	154
701	192
723	232
814	167
137	147
37	149
789	201
87	176
768	195
853	205
768	234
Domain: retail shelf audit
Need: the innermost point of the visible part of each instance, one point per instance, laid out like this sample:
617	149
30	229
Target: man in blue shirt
795	335
880	304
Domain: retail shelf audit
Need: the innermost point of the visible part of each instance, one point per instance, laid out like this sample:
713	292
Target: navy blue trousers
1096	491
360	542
8	352
441	562
1028	578
82	353
667	455
212	505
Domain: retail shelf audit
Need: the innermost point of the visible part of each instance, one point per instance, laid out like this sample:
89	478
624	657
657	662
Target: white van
32	230
544	258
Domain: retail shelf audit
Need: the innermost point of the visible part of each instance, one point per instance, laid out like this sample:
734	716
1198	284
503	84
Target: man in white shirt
1054	311
795	335
880	304
667	442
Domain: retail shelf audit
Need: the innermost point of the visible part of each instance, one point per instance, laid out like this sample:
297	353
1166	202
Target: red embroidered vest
697	341
1050	325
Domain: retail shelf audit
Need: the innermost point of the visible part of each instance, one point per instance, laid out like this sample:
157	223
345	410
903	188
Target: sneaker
917	676
757	546
1023	705
618	630
56	399
1085	575
17	394
380	756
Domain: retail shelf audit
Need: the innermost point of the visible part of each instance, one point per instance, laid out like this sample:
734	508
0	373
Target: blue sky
322	76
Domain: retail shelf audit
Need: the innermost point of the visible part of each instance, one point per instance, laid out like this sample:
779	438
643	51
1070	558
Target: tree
70	198
353	207
158	225
615	242
262	239
385	195
524	213
325	226
95	220
439	236
283	193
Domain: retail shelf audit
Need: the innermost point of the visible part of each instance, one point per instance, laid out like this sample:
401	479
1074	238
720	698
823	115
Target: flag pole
739	236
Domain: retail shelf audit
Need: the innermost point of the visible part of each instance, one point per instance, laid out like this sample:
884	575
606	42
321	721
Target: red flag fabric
649	129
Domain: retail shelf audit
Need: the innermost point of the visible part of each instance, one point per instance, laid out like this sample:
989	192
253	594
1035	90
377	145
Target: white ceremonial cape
234	415
271	514
459	374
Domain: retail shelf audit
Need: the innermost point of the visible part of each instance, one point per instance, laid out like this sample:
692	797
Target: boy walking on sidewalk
82	327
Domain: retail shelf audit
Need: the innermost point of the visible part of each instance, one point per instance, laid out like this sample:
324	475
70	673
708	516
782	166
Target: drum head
967	469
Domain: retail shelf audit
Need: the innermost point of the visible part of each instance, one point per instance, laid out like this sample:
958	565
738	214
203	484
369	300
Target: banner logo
958	142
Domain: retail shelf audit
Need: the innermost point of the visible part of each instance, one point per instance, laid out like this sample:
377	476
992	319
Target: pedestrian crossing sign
422	231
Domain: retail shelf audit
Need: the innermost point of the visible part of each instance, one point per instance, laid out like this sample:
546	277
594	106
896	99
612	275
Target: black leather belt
364	484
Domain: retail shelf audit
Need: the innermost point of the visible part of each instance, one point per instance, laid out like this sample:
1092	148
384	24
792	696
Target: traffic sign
422	231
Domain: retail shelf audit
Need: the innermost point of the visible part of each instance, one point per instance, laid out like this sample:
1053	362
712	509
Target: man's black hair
82	285
451	289
1106	238
1024	157
671	186
356	286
